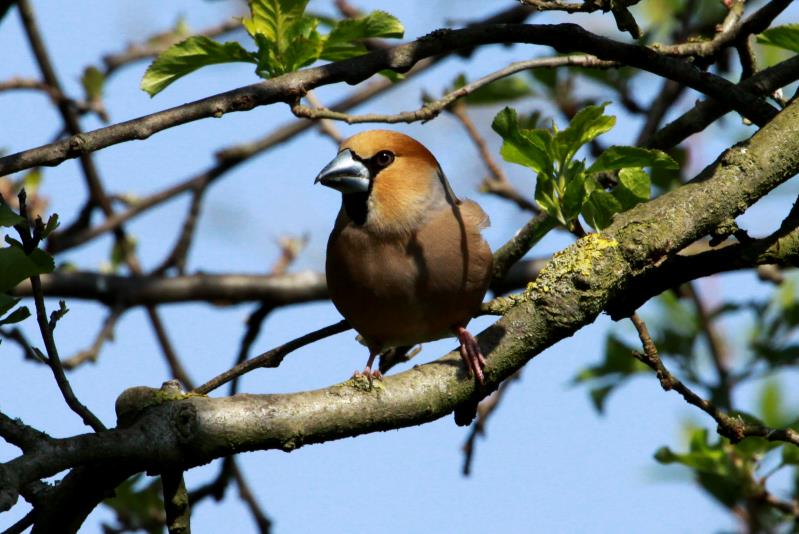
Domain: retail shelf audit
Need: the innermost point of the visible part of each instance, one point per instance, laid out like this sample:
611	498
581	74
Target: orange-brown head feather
406	191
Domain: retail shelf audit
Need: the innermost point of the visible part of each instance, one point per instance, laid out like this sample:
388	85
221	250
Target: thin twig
68	114
18	433
30	243
217	488
93	352
432	109
527	236
172	360
497	182
177	256
22	525
326	126
718	349
16	335
155	44
732	427
245	493
484	410
273	357
290	248
97	193
227	159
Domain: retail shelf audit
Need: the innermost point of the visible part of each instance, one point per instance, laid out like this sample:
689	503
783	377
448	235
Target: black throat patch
355	204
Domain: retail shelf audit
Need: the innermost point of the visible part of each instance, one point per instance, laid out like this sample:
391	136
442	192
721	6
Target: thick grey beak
345	174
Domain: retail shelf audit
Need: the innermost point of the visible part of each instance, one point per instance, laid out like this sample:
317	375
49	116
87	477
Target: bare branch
176	503
261	519
18	433
93	352
272	358
484	411
431	110
732	427
290	87
156	44
227	159
127	291
30	242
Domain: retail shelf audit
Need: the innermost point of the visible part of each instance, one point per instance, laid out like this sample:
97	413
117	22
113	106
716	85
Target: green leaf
790	454
668	179
576	192
600	208
32	180
273	19
306	46
7	302
621	157
20	314
92	81
785	36
524	147
618	361
15	266
599	396
633	188
52	224
546	77
392	76
771	404
344	40
137	502
121	250
589	123
186	57
545	197
702	456
8	217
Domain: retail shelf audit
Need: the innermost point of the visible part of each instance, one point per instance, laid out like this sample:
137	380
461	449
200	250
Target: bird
406	261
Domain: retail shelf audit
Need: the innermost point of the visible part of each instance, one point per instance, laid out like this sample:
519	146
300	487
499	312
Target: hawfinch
405	262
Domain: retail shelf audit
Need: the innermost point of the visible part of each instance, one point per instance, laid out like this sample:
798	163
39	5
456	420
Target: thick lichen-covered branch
178	430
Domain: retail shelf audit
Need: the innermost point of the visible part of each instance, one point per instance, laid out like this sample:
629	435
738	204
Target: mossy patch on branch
578	260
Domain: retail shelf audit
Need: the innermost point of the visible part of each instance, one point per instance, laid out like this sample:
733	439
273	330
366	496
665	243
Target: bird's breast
412	288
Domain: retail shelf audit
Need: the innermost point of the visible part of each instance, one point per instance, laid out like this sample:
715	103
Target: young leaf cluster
17	264
286	39
566	187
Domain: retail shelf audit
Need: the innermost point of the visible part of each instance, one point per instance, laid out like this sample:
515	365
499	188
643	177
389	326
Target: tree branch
732	427
30	241
704	113
432	109
569	293
127	291
290	87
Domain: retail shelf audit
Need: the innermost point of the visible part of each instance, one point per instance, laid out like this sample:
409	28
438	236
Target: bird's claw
369	374
471	354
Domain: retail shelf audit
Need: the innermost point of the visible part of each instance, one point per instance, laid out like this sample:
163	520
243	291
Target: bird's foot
369	374
470	353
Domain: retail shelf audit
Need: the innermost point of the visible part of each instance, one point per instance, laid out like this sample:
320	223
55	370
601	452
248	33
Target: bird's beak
345	174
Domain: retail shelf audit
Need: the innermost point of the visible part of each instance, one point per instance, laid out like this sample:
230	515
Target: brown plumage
405	262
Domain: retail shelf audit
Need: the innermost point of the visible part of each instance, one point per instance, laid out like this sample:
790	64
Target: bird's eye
384	158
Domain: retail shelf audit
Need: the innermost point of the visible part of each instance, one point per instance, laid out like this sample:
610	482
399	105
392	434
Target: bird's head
389	182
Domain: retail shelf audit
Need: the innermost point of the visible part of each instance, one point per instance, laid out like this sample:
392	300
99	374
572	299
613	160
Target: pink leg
470	352
368	371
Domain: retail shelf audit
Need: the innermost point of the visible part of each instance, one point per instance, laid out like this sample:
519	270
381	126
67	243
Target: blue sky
550	464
